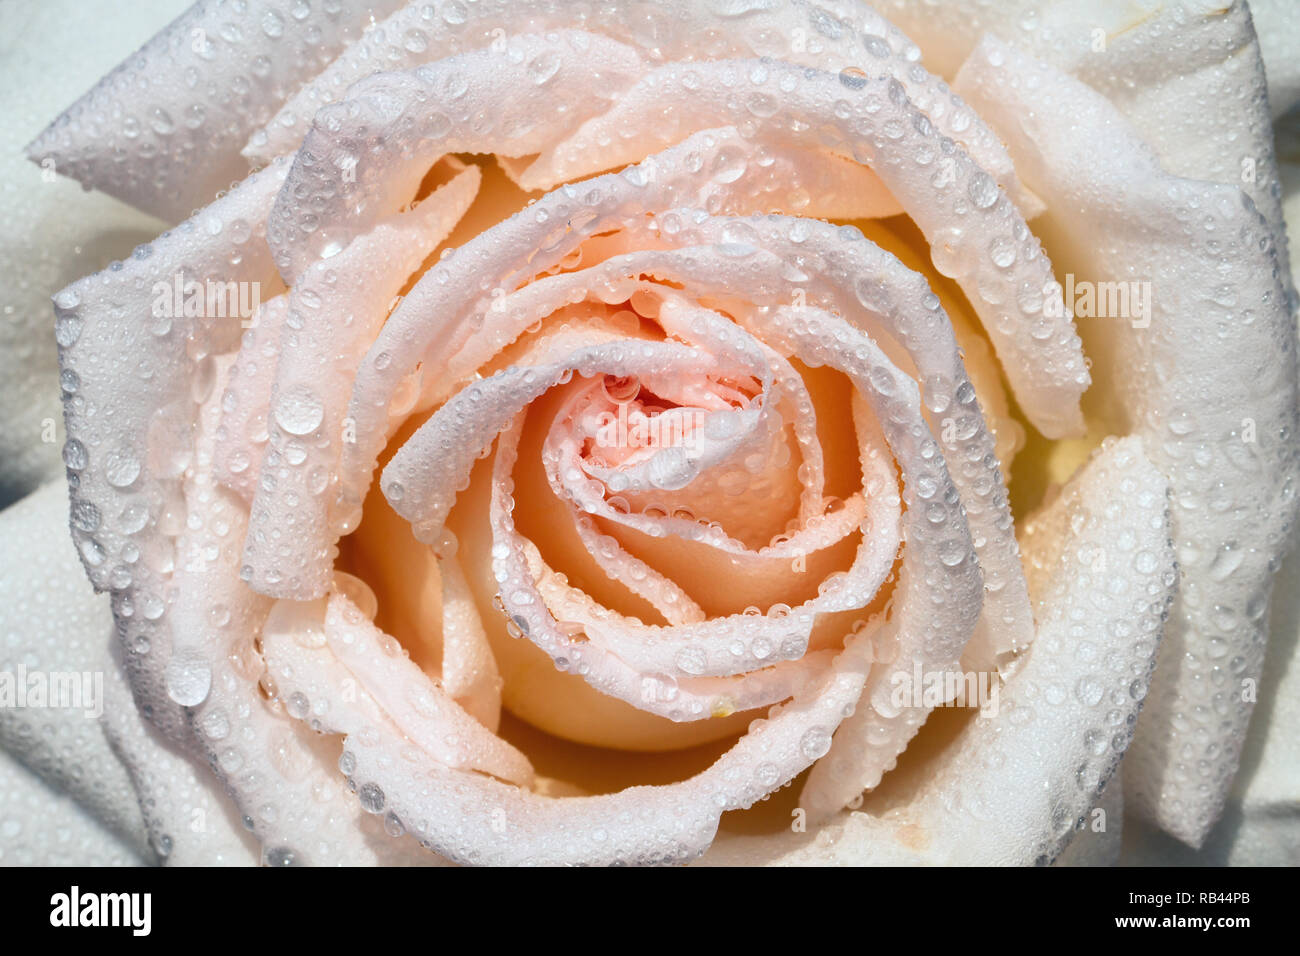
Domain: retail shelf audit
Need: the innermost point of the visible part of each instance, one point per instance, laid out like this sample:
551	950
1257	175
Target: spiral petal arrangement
640	353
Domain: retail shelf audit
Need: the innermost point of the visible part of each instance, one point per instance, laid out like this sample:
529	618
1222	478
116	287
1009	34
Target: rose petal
281	778
365	156
241	437
189	98
1192	386
470	818
1149	59
124	463
1015	786
335	308
803	33
187	815
50	59
425	713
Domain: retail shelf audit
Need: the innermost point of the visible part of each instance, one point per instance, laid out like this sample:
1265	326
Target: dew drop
299	411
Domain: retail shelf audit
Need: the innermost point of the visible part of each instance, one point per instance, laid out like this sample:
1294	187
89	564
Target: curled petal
130	425
1026	772
334	310
395	690
853	39
1186	377
282	779
471	818
365	157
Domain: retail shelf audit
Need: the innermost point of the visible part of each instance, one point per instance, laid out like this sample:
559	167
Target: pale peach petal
1022	781
282	779
853	38
335	308
469	671
241	436
365	156
471	818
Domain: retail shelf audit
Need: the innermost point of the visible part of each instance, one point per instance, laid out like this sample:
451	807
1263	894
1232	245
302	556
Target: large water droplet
815	743
299	411
188	680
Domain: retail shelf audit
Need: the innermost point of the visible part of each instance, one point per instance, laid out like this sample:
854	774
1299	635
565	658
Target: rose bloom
583	433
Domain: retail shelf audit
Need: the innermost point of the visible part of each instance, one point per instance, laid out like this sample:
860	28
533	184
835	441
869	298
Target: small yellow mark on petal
913	837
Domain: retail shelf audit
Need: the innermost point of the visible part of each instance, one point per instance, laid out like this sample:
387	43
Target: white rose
216	472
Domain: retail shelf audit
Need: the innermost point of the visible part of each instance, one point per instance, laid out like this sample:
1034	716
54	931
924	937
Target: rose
189	670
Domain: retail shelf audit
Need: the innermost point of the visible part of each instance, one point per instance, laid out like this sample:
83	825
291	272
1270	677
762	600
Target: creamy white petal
1210	382
163	130
54	624
43	826
1188	74
1278	24
51	232
188	816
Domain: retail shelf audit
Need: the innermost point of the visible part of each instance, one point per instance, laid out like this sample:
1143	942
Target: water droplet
74	455
983	191
189	679
372	798
281	856
543	67
272	24
815	743
299	411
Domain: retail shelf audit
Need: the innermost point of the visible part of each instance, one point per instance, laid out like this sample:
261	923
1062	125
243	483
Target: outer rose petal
183	105
167	546
1150	58
47	61
853	36
1278	24
44	826
131	419
1211	386
1014	788
53	621
1261	822
190	820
